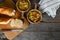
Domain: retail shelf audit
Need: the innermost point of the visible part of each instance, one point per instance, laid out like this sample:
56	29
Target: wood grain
11	35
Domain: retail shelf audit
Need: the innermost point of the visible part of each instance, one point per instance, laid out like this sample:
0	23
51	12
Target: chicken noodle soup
34	16
23	5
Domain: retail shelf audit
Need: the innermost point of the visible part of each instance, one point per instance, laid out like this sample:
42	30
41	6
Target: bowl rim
21	10
37	11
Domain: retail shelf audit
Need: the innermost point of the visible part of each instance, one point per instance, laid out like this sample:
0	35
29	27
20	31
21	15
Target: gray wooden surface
42	31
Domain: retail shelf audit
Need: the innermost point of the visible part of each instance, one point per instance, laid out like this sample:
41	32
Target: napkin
49	6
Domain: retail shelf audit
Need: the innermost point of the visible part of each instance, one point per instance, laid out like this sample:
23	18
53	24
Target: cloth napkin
49	6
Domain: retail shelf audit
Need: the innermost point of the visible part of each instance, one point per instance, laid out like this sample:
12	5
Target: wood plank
11	35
